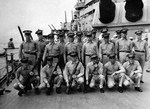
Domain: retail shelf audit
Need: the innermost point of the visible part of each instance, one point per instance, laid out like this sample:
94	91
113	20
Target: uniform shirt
140	45
47	71
90	48
95	69
123	45
28	46
24	72
62	47
135	66
71	47
41	46
111	68
70	67
106	48
51	49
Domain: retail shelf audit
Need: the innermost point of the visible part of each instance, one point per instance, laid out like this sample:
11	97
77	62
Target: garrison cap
139	32
89	34
118	31
94	56
27	32
104	30
131	55
24	60
70	34
112	56
49	58
124	30
39	32
79	33
73	54
105	35
51	36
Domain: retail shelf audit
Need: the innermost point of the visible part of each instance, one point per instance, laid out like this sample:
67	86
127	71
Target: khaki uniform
141	51
136	77
51	75
123	48
52	49
79	45
29	50
79	73
61	60
105	50
94	73
70	47
24	77
109	69
88	49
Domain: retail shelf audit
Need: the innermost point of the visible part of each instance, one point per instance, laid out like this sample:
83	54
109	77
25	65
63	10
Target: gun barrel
21	33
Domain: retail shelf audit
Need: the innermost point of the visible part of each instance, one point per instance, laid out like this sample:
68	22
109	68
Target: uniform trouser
77	81
111	81
123	57
136	78
97	79
105	59
39	65
87	59
31	58
55	80
140	56
61	62
27	82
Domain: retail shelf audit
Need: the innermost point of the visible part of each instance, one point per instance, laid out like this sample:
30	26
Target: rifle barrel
21	33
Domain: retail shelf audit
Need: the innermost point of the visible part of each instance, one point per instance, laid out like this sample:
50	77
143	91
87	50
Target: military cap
79	33
131	55
138	32
73	54
61	34
112	56
27	32
39	32
124	30
24	60
118	31
88	34
49	58
70	34
94	56
104	30
105	35
93	31
51	36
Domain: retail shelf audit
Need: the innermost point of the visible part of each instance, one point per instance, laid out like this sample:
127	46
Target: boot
120	89
138	89
58	90
21	92
37	91
67	90
102	90
48	91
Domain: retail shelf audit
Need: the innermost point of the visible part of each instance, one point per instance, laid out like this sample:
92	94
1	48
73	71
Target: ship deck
130	99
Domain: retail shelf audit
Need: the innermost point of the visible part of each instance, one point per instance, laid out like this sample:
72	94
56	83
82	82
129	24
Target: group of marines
82	63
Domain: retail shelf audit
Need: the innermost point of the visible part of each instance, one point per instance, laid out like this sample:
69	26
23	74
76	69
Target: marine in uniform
94	73
114	71
106	48
133	71
141	50
29	48
51	74
74	73
26	75
89	48
79	35
123	46
52	49
61	43
11	44
41	46
70	47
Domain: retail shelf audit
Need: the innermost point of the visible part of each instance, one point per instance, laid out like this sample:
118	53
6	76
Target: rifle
21	33
53	26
